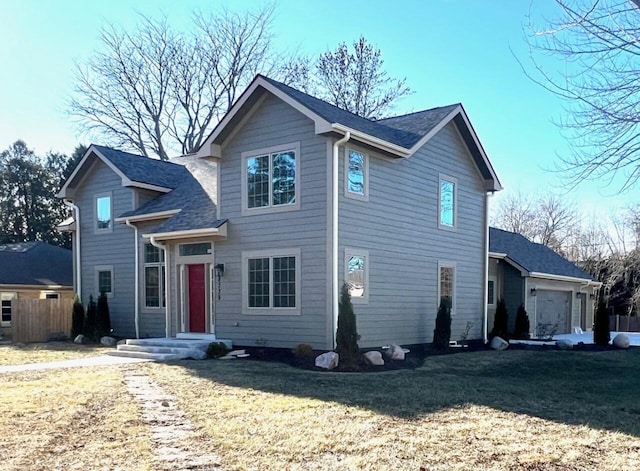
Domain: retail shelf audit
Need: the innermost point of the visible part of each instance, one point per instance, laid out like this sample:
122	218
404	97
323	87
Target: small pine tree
522	328
601	333
103	320
90	321
77	317
442	332
347	333
501	321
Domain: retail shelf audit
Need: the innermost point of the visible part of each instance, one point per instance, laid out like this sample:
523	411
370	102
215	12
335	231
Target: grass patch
23	354
71	419
483	410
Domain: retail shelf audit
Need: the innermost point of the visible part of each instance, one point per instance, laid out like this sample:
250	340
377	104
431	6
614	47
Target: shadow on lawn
594	389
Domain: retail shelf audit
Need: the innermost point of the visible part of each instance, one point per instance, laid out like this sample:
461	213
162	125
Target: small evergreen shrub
103	320
216	350
90	321
601	333
523	326
501	322
77	318
442	332
347	333
302	351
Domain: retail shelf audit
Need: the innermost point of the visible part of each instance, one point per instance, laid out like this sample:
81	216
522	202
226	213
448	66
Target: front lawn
482	410
22	354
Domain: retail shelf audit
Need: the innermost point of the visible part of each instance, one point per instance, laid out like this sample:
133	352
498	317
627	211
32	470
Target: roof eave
371	140
148	216
220	232
574	279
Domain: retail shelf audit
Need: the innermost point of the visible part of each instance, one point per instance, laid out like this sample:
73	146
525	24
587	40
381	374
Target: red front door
197	299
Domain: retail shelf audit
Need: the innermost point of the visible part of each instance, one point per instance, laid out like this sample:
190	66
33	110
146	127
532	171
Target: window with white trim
51	295
357	174
5	300
103	213
491	291
447	203
271	282
154	276
270	179
357	274
104	280
447	283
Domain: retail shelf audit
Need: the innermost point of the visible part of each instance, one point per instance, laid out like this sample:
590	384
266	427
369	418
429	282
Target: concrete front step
146	355
169	343
162	349
150	349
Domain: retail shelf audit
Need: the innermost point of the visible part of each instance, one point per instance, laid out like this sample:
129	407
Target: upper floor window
270	179
357	174
447	203
103	208
357	274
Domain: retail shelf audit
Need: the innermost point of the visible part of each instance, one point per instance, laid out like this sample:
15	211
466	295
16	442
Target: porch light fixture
533	292
578	293
592	296
219	268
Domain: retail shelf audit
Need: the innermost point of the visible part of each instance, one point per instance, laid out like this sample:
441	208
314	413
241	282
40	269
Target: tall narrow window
447	203
270	179
356	173
154	276
104	280
491	291
446	284
103	213
357	274
6	308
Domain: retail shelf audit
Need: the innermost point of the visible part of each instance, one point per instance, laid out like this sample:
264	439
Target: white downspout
167	325
76	210
485	317
334	241
136	309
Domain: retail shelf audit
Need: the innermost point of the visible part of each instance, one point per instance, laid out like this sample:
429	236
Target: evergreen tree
601	333
90	323
442	332
77	318
501	321
103	320
347	334
523	326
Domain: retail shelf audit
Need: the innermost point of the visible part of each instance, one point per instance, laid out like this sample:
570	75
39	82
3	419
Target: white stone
621	341
564	344
236	353
373	358
80	339
394	352
108	341
498	343
195	353
328	360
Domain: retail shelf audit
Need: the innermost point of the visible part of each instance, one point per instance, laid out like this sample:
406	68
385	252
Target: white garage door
554	309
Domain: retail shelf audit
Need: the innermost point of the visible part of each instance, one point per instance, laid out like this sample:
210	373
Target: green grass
483	410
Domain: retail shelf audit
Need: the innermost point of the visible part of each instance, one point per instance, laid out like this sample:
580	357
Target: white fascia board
523	271
126	182
549	276
149	216
220	232
497	255
63	193
373	141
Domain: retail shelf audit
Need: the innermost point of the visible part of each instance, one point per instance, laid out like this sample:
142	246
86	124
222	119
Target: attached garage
553	311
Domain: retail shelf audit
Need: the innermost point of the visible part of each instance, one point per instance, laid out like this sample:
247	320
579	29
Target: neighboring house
557	295
289	198
33	270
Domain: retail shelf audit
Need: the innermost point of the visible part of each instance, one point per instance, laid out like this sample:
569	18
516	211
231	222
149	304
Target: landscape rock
121	342
373	358
498	343
81	339
195	353
328	360
108	341
621	341
394	352
564	344
235	353
57	337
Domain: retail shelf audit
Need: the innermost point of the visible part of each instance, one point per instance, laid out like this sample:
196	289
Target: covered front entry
197	298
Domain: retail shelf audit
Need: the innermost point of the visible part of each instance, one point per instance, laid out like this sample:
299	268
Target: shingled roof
35	264
533	257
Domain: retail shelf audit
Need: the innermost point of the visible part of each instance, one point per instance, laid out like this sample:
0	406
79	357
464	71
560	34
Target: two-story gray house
252	237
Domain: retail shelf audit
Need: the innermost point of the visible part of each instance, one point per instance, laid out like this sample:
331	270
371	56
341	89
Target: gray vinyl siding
275	123
398	226
513	285
144	196
110	248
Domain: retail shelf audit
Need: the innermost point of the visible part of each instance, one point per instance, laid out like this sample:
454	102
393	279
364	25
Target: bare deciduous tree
599	44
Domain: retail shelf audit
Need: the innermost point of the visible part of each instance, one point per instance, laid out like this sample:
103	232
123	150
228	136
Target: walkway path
102	360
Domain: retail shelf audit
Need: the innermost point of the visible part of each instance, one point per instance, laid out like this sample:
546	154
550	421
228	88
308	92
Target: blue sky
449	50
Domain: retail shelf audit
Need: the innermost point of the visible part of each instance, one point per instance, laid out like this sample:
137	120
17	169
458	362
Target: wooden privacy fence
624	323
32	320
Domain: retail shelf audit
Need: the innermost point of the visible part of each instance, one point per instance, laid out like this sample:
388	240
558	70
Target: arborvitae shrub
601	333
77	318
522	328
442	332
103	319
347	333
501	322
90	321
